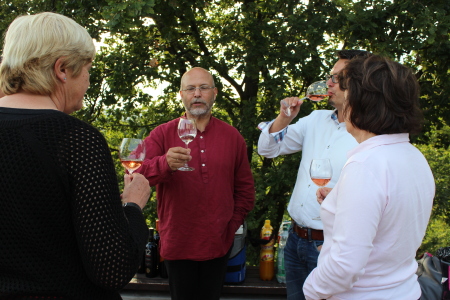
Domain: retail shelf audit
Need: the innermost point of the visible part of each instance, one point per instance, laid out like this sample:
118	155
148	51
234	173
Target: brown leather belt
307	233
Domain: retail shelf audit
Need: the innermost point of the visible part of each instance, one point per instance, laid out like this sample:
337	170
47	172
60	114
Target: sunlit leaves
125	14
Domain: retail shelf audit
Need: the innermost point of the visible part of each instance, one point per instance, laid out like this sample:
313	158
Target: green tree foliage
415	33
438	231
259	51
439	160
437	236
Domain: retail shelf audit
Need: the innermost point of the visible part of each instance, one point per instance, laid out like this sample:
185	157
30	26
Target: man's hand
289	109
176	157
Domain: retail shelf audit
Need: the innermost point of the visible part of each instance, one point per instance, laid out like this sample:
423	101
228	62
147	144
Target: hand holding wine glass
316	92
132	153
187	130
320	172
321	193
136	189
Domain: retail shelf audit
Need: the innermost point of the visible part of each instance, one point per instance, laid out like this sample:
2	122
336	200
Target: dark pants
197	280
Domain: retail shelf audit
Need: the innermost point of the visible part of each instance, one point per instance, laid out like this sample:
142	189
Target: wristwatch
132	204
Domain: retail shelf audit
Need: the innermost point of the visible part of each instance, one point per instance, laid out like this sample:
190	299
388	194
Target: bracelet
132	204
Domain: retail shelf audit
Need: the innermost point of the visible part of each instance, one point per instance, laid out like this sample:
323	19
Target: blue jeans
300	258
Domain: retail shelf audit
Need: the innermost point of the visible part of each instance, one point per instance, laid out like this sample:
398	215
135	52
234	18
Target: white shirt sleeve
286	141
267	145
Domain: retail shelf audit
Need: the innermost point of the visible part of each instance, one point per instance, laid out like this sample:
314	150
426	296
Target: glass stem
186	164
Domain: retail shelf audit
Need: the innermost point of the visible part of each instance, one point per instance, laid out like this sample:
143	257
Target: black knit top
63	231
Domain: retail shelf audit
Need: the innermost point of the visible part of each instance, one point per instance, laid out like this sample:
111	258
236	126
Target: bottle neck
150	235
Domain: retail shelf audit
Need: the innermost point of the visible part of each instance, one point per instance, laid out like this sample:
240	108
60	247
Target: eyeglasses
334	78
203	88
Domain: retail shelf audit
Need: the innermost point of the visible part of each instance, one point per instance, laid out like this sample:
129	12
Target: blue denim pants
300	258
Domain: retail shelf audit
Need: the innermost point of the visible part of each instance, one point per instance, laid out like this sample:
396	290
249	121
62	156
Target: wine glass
316	92
132	154
320	172
187	132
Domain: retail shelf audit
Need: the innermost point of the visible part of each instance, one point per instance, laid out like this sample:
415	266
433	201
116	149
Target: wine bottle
151	257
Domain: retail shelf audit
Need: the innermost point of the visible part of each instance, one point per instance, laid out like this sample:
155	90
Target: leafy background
259	52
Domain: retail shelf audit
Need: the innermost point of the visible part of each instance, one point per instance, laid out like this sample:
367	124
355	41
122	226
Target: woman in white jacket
376	215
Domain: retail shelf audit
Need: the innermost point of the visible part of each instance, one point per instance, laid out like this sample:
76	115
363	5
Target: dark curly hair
382	96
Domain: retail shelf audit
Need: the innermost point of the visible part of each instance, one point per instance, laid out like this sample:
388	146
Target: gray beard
198	112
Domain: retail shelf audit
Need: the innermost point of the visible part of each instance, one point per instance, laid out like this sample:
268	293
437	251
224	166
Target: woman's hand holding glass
321	193
136	189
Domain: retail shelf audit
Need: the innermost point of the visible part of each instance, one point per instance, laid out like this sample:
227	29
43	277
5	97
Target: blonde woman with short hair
65	231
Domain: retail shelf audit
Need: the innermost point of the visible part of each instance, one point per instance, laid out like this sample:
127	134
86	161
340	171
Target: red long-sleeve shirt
199	211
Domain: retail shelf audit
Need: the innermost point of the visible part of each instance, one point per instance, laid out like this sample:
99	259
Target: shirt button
328	147
309	185
203	165
202	151
201	136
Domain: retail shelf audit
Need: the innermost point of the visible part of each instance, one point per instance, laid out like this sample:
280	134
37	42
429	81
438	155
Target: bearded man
199	211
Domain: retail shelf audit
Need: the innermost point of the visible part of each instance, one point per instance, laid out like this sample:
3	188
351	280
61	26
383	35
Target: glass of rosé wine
187	130
320	172
132	154
316	92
